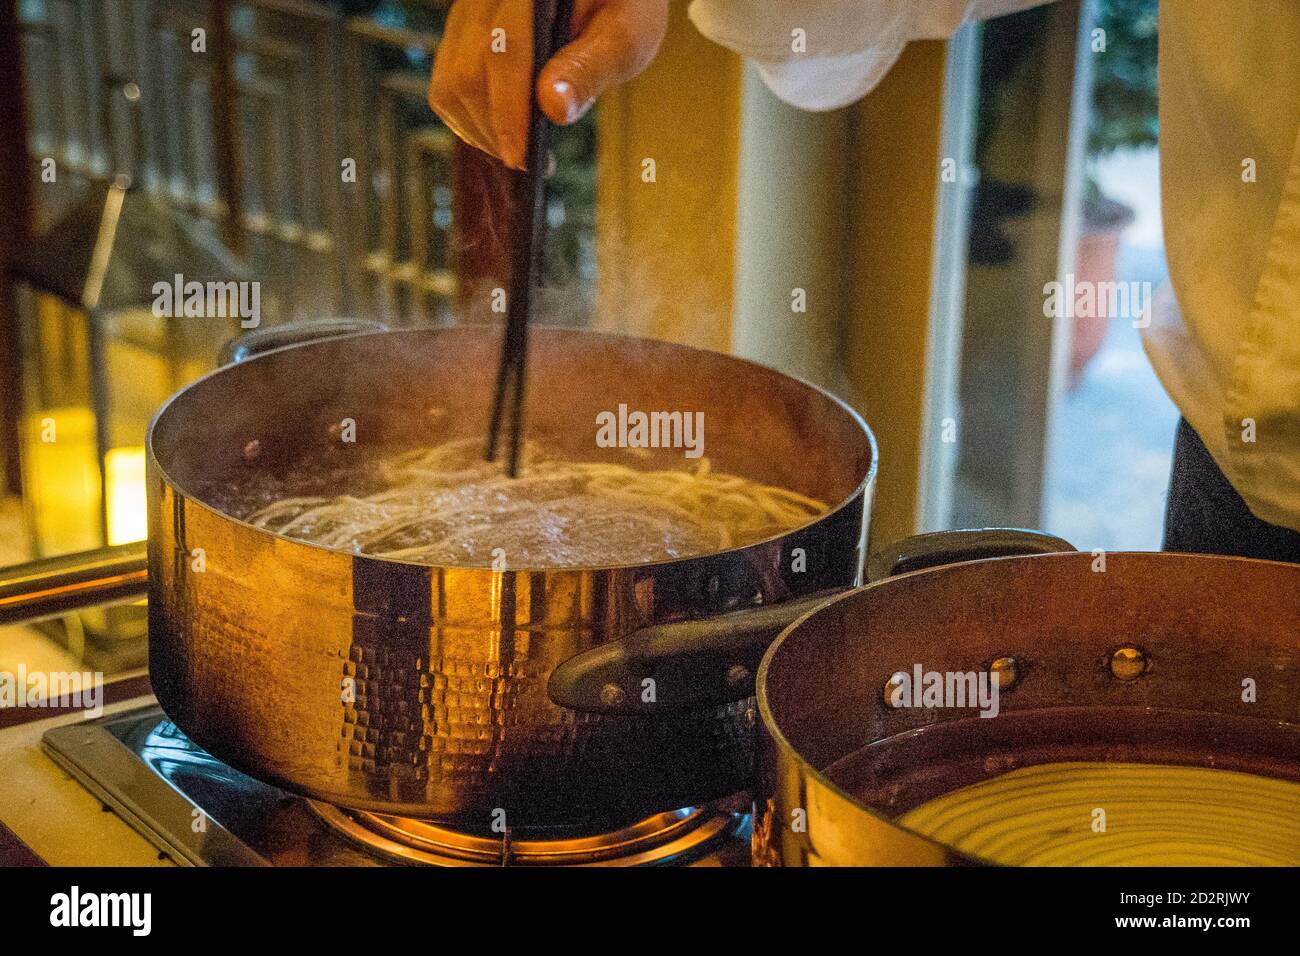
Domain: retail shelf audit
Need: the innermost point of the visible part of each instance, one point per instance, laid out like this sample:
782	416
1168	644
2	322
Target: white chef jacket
1228	349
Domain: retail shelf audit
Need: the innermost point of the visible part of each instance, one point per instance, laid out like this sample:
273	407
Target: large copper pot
423	691
1131	657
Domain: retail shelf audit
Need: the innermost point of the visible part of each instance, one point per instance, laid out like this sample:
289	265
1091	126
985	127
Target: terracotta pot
1095	263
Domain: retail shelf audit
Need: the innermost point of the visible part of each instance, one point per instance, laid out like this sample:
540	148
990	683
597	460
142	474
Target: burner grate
664	838
201	812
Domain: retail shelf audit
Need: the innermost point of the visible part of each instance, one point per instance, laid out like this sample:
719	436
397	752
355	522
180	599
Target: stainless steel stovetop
201	812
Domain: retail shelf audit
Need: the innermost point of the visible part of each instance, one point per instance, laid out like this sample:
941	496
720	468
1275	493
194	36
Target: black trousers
1206	515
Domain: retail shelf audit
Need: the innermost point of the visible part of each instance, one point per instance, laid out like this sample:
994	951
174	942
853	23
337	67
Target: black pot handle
949	547
712	661
292	333
676	666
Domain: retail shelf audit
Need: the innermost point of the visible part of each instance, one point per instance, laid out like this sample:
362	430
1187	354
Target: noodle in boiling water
445	505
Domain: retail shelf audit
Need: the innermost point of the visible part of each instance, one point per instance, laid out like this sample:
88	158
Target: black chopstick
528	195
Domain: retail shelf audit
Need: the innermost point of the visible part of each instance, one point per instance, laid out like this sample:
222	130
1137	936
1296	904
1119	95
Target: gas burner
143	768
664	838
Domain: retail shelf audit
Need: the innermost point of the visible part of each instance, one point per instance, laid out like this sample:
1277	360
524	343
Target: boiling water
446	506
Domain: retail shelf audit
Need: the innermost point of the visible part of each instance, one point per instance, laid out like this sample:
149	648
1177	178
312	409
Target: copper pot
423	691
1141	662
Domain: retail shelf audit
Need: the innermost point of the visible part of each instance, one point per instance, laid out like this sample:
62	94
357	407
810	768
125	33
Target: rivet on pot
1128	663
895	681
611	695
253	450
1008	671
737	674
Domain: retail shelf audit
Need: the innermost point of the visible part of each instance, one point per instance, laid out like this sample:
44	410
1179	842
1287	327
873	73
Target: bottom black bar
917	909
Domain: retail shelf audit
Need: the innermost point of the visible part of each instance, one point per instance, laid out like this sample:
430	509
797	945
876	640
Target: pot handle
934	548
292	333
712	661
677	666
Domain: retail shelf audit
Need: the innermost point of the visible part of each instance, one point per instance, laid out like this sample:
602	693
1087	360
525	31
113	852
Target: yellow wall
665	251
895	181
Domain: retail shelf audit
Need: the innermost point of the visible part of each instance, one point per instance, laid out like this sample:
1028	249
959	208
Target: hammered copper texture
421	691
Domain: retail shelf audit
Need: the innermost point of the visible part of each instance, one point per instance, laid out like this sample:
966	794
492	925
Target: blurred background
288	142
1110	448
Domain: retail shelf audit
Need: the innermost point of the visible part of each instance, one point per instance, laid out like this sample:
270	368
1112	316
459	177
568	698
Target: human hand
483	68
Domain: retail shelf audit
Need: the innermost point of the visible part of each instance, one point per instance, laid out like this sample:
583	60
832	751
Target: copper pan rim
447	710
863	486
770	727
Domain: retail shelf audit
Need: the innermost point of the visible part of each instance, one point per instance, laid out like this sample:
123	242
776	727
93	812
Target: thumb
617	44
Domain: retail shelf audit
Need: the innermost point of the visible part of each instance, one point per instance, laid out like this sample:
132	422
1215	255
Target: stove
201	812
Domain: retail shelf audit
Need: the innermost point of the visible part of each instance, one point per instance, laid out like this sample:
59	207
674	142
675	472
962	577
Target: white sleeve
824	54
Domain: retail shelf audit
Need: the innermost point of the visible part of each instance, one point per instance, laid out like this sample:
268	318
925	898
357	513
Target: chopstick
528	188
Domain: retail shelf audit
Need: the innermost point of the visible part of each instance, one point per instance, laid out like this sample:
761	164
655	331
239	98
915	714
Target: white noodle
445	506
